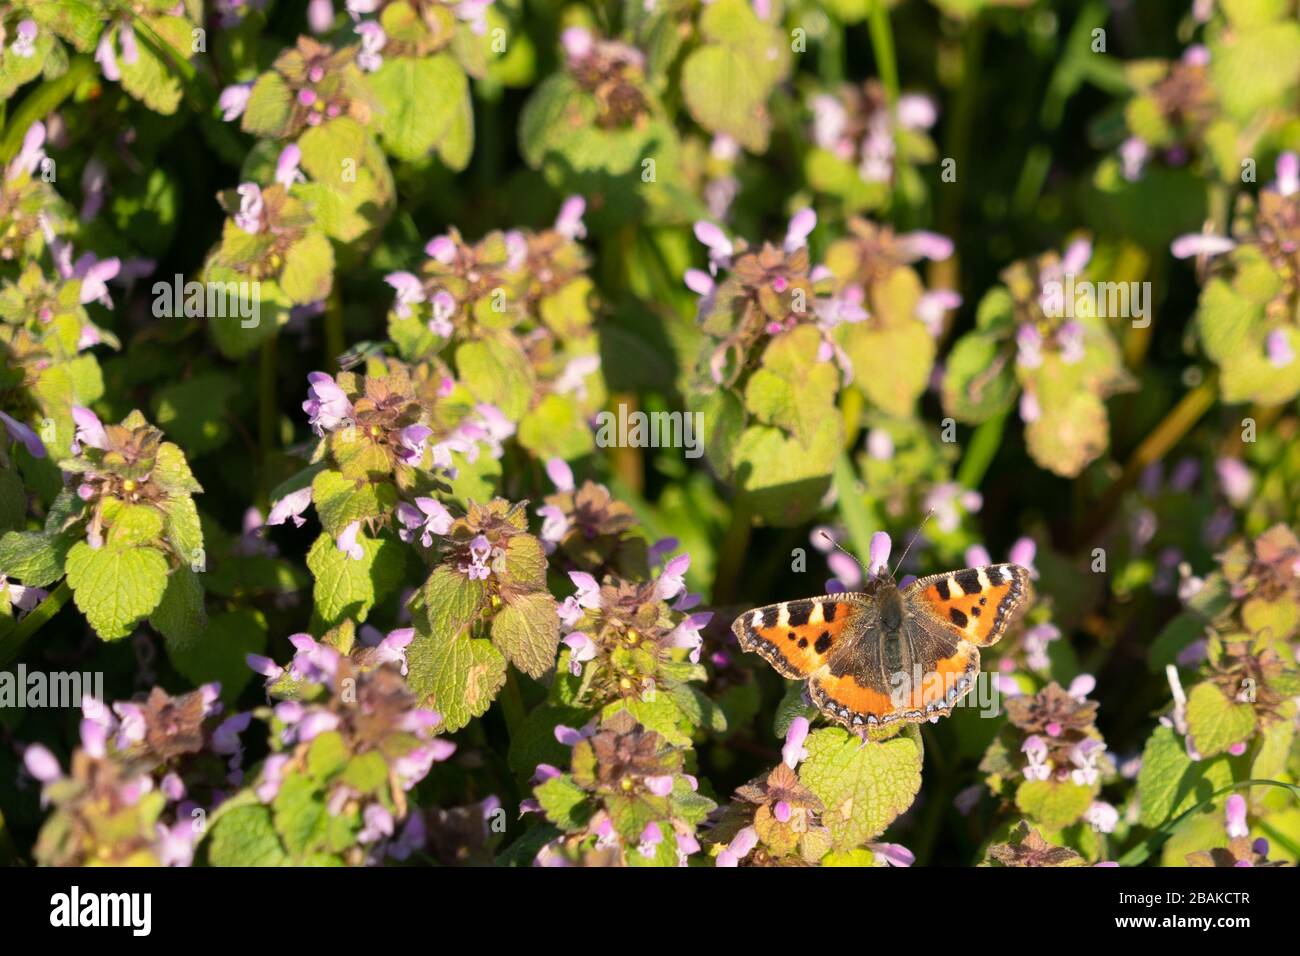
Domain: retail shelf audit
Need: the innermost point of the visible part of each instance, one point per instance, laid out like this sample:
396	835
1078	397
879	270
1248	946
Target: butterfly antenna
826	534
915	534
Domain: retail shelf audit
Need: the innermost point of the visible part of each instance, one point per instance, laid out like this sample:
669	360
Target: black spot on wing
799	613
957	617
942	587
968	581
823	643
829	608
770	615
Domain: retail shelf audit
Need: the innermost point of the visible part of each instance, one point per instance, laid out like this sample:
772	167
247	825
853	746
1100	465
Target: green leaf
425	104
1170	782
527	631
977	379
556	428
116	588
301	818
150	79
181	616
1053	803
564	802
1215	723
792	389
459	676
245	836
863	786
348	587
496	371
270	105
33	557
308	273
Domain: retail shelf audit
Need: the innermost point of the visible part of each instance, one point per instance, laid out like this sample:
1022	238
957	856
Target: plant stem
981	451
12	643
882	45
41	102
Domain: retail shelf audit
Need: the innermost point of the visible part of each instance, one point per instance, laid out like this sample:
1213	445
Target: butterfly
887	654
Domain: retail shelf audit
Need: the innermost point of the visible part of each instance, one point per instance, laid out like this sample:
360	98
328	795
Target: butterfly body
886	654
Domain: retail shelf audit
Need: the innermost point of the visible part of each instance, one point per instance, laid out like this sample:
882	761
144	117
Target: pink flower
90	431
569	222
286	167
327	405
21	433
794	751
428	515
926	245
249	217
687	634
30	154
581	649
739	847
1200	244
373	40
801	226
348	544
671	581
1235	812
291	506
234	100
41	764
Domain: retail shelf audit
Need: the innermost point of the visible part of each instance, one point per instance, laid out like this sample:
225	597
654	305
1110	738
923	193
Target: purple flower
1235	479
1278	347
1029	347
916	111
1200	244
801	226
234	100
94	274
1038	767
720	247
1102	816
1133	154
264	666
651	837
846	570
687	634
1023	551
444	307
30	155
410	443
661	785
794	752
348	544
378	823
320	15
557	469
429	515
671	581
930	308
699	282
926	245
1082	686
90	431
25	39
291	506
1235	812
410	290
581	649
327	406
555	525
441	249
21	433
1085	756
373	39
1069	338
588	595
249	217
945	497
1288	174
286	167
569	222
895	854
41	764
480	550
577	43
879	552
738	848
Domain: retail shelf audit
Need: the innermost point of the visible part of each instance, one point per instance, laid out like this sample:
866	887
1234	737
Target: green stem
41	102
980	452
882	45
12	643
1143	850
858	516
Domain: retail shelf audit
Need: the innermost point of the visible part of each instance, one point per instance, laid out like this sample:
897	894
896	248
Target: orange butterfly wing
796	637
974	604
